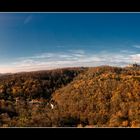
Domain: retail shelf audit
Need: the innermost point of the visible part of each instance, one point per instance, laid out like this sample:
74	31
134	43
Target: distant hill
3	74
97	96
102	97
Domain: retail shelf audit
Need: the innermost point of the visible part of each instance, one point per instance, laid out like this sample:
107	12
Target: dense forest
102	96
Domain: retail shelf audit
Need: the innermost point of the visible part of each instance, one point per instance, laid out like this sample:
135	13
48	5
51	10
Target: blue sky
35	41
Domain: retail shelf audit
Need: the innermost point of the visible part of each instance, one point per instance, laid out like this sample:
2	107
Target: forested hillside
99	97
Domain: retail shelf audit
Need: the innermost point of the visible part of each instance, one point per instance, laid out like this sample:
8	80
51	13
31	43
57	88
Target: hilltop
102	96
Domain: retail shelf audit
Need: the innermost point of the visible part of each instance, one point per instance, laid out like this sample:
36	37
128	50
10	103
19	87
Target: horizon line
56	68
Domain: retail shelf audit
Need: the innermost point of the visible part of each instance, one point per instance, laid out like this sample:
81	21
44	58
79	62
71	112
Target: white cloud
69	59
136	58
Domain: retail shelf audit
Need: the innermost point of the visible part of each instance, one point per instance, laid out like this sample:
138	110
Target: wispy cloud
127	51
60	46
70	58
77	51
136	46
27	19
